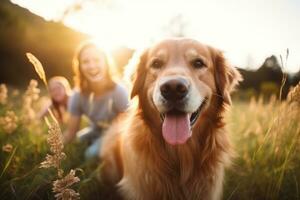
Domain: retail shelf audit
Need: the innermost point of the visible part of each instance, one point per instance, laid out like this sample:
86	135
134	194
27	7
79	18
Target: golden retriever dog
173	144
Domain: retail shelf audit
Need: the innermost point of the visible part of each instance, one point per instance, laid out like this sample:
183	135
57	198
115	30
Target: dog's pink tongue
176	128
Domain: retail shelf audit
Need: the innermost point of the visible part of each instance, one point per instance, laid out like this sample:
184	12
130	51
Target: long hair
80	80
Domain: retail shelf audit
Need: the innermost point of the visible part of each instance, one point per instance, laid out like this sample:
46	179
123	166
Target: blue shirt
102	109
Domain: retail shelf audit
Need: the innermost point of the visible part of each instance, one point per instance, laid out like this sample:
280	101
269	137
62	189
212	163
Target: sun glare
248	31
112	29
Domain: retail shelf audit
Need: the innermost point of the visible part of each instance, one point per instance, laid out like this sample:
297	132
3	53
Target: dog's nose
174	89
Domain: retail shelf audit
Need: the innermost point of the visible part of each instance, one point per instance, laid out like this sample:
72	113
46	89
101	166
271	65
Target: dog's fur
136	156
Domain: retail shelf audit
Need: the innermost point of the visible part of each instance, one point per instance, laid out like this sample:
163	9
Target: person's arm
73	127
121	101
74	109
44	110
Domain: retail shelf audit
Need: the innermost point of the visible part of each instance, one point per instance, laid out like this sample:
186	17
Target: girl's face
92	64
57	91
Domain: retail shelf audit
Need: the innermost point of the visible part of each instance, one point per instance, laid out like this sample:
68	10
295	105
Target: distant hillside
21	32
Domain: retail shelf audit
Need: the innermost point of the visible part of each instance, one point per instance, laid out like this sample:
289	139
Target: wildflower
15	92
53	161
294	94
32	90
9	122
27	110
3	94
55	139
56	147
31	94
61	187
67	194
7	148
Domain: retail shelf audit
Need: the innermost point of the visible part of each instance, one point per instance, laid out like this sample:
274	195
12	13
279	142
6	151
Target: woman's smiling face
92	64
57	91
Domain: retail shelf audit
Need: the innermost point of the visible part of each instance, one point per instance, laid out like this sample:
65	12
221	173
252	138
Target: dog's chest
165	184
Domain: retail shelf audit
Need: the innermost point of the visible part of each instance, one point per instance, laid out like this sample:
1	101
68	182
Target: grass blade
8	162
37	66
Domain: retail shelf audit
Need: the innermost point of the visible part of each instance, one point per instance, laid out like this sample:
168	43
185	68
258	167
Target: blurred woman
97	96
59	91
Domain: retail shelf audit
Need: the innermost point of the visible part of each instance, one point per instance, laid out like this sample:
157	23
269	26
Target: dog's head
177	81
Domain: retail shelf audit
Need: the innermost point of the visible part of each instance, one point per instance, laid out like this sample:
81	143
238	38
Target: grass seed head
9	122
294	94
62	187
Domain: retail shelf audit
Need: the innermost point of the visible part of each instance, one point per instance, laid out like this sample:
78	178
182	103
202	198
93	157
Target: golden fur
135	156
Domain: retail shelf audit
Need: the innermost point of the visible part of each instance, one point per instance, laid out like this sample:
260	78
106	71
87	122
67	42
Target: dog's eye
156	64
198	63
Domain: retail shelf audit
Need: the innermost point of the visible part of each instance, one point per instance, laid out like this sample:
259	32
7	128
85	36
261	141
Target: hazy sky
247	31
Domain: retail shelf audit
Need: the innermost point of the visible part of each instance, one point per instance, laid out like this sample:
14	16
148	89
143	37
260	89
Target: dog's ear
226	77
139	75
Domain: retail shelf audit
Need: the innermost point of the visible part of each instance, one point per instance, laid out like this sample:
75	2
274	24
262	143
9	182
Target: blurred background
252	34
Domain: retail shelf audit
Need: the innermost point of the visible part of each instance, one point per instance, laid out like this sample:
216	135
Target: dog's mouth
177	125
192	117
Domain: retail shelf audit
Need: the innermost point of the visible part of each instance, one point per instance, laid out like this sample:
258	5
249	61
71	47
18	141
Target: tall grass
266	136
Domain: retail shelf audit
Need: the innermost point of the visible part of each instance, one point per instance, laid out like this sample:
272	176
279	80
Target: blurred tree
22	31
176	26
270	73
270	70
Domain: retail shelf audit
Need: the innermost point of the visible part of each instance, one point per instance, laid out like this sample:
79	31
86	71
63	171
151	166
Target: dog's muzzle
177	110
174	91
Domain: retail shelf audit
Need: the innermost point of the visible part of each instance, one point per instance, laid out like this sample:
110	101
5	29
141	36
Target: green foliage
23	179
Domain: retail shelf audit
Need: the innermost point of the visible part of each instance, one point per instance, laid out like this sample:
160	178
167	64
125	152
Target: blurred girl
59	91
96	96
